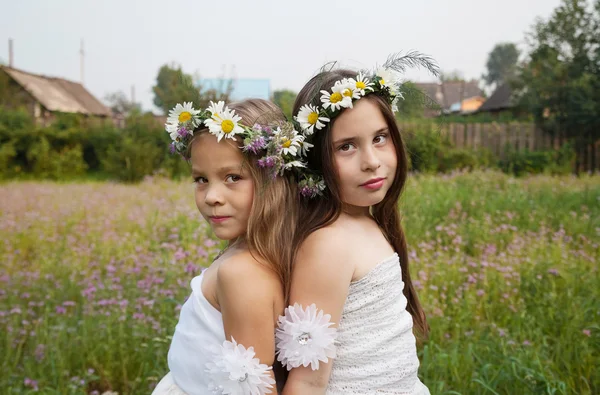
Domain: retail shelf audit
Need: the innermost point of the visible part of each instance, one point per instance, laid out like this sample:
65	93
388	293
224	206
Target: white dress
199	328
375	347
202	361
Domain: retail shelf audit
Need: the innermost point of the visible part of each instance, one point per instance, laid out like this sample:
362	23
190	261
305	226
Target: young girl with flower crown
224	340
349	329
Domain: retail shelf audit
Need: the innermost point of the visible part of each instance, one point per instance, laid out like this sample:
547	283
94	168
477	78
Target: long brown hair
274	212
318	213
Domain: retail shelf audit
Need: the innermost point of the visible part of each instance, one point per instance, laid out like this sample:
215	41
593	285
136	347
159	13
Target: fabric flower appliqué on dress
304	337
235	371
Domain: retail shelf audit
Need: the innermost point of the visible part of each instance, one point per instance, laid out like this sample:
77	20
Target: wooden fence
499	138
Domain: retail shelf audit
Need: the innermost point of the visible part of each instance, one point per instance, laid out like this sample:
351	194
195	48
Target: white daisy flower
388	78
306	146
290	143
361	84
223	121
235	370
182	114
172	130
309	119
336	99
295	163
349	89
304	337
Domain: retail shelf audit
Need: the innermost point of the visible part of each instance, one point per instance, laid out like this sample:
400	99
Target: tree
119	103
285	100
501	64
174	86
559	82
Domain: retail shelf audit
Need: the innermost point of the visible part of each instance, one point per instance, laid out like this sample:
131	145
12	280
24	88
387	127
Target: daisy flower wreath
280	147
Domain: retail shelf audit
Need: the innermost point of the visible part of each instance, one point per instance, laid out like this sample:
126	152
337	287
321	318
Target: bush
48	163
526	162
424	146
457	158
131	159
7	154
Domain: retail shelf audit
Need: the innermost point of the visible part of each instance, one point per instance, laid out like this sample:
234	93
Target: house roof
499	100
58	94
450	93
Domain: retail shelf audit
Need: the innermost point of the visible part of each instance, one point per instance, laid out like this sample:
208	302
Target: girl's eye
346	147
380	139
200	180
233	178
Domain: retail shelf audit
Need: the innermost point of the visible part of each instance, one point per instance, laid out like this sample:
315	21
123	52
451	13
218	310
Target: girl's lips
374	183
218	218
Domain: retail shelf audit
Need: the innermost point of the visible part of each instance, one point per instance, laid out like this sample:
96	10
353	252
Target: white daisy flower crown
282	147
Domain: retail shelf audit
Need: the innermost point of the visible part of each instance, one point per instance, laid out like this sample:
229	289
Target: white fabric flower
309	119
235	371
182	114
336	98
304	337
223	121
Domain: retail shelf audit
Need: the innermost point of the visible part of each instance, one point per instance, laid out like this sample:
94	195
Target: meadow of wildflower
93	275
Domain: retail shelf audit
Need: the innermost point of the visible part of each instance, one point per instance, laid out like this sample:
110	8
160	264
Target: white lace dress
376	348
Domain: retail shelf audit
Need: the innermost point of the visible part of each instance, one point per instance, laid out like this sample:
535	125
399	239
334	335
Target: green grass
93	275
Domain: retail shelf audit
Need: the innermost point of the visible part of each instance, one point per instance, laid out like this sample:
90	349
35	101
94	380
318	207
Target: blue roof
243	88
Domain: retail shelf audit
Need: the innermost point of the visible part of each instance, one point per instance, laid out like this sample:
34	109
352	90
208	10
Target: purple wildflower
31	383
268	161
183	132
40	352
256	145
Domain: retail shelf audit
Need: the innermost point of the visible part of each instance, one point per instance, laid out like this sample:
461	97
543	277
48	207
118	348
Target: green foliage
74	146
560	81
501	64
457	158
131	160
47	163
535	162
285	100
424	145
7	155
139	152
174	86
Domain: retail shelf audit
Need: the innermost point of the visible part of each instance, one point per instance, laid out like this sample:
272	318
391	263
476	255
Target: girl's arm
322	274
246	292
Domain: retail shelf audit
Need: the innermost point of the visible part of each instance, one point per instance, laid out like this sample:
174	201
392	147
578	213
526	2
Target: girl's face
364	154
224	187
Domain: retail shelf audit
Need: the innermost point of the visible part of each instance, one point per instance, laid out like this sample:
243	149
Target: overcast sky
127	41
